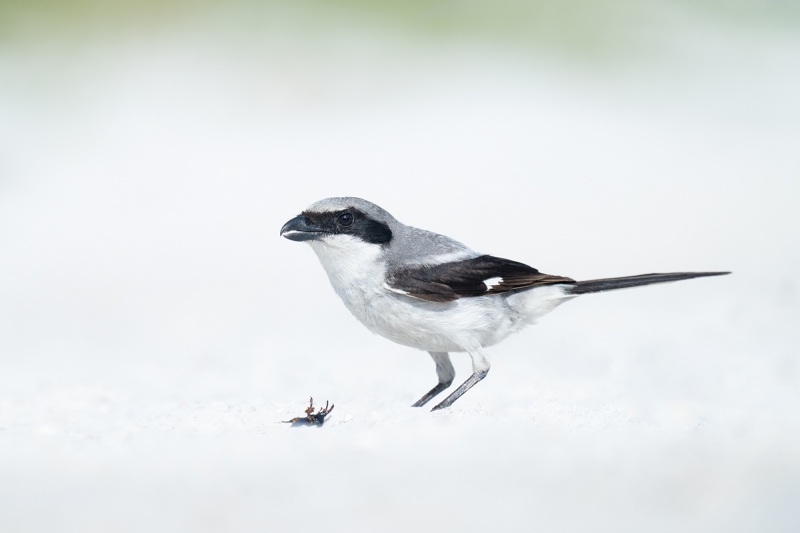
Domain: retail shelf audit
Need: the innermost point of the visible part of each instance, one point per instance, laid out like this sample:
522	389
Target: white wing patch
398	291
492	282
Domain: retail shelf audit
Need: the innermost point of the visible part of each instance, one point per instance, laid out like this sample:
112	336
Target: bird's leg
480	367
445	372
431	394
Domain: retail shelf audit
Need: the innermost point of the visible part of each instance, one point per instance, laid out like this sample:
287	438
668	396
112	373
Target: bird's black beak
301	229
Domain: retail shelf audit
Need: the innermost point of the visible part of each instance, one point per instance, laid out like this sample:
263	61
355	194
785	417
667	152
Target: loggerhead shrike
430	292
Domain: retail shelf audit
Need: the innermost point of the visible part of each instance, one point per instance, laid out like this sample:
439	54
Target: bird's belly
457	326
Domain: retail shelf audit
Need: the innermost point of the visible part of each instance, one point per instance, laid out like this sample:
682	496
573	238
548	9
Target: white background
155	330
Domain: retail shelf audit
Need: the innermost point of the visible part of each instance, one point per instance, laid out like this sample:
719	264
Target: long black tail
610	284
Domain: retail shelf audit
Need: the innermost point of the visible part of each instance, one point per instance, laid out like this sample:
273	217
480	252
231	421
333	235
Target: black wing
471	277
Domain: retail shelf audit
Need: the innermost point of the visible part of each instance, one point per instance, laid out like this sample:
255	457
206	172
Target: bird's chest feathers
355	269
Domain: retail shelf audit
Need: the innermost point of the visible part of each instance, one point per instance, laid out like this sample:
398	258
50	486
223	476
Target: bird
430	292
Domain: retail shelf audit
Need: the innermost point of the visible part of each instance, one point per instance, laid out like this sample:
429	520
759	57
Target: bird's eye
345	219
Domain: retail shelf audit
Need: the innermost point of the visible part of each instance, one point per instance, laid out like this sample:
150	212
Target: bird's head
335	221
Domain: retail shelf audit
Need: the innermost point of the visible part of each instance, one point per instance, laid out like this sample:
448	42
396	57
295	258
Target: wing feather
468	278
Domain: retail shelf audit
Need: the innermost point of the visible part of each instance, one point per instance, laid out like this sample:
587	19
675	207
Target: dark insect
311	418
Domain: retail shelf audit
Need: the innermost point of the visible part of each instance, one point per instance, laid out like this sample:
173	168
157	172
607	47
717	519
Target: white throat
352	265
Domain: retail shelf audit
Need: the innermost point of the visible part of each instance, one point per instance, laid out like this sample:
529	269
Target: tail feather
610	284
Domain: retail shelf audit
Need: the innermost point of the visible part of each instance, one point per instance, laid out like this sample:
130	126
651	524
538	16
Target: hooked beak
301	229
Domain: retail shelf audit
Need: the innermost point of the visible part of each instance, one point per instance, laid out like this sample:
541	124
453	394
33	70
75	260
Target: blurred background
154	329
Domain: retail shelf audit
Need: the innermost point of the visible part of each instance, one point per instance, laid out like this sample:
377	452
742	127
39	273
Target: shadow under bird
430	292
